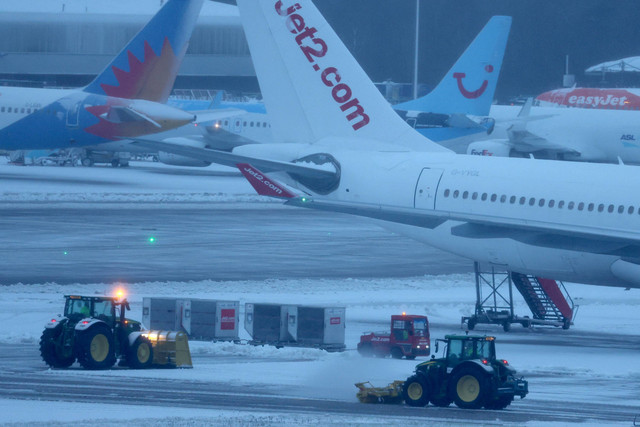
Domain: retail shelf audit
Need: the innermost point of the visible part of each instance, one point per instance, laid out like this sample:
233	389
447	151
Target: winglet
264	185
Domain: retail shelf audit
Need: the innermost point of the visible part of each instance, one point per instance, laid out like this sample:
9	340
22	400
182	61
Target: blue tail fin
469	86
147	67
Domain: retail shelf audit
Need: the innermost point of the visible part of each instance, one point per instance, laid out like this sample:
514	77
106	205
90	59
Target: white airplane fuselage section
17	102
598	135
560	195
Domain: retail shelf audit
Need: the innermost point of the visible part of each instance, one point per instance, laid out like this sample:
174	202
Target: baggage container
200	319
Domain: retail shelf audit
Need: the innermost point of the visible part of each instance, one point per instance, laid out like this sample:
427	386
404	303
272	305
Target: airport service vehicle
469	374
409	337
95	332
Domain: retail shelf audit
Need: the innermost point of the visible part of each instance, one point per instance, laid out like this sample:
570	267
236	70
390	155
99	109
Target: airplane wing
307	170
217	114
539	233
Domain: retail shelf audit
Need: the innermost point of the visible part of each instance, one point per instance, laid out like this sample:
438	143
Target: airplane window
571	205
474	196
610	209
244	123
560	204
541	202
591	206
522	200
503	198
446	193
22	110
251	124
9	110
552	203
600	207
484	196
2	109
28	110
532	201
620	209
237	123
494	196
631	208
512	199
226	122
580	206
465	195
264	125
456	194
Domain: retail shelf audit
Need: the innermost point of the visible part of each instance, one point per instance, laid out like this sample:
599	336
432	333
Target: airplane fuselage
32	119
580	197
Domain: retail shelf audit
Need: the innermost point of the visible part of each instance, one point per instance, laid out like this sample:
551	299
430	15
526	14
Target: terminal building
66	43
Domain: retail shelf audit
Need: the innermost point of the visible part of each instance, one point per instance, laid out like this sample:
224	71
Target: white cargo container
201	319
296	325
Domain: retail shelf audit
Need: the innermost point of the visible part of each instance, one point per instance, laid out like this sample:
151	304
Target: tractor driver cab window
102	310
400	332
455	349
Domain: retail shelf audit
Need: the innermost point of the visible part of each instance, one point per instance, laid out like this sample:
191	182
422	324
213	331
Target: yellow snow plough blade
392	393
170	349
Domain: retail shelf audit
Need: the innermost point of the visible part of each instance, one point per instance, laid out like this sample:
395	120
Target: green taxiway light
152	239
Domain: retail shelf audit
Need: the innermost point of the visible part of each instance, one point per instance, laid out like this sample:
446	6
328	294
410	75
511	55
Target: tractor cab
404	327
460	348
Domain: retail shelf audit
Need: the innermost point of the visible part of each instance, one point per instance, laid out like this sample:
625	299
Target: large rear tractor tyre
469	388
500	403
140	354
95	348
416	391
52	354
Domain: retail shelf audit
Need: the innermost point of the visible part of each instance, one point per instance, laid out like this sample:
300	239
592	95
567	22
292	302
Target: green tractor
468	375
95	332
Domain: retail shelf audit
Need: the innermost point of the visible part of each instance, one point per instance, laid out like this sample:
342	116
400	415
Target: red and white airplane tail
312	86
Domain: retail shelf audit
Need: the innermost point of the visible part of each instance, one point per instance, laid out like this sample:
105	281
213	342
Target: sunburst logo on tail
151	78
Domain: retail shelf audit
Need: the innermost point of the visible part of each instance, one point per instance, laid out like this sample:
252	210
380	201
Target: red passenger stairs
548	300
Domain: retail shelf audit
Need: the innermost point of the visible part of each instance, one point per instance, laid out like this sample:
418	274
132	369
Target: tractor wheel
469	388
95	348
140	354
396	353
410	357
416	391
506	326
366	350
51	353
500	403
566	324
441	401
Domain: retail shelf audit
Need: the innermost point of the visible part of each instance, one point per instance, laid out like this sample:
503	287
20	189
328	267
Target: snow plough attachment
170	349
392	393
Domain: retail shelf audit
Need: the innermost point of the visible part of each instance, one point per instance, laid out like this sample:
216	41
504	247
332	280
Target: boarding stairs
548	300
545	297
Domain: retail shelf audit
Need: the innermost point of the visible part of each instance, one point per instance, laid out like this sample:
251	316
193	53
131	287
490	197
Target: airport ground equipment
95	332
548	300
469	374
409	337
287	325
392	393
200	319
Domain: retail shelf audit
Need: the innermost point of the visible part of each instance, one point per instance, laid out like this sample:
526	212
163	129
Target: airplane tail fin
147	67
469	86
312	86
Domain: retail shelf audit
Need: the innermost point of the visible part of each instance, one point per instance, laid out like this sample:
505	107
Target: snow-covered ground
562	371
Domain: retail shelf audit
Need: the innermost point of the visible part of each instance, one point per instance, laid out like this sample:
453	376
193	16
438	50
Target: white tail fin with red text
312	86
